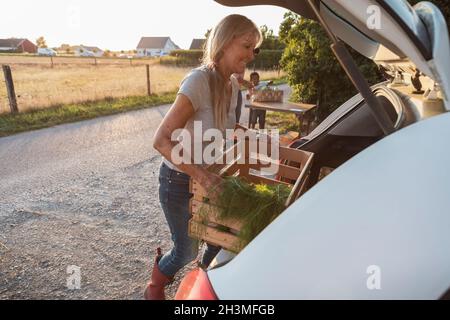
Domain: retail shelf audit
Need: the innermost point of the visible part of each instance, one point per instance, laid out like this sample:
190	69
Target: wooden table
303	111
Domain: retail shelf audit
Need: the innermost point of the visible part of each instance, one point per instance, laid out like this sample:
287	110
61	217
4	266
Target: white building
155	46
87	51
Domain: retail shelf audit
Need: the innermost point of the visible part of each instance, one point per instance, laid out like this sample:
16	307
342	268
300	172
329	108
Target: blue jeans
174	198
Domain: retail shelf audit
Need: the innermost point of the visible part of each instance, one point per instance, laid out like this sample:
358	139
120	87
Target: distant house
87	51
155	46
17	45
197	44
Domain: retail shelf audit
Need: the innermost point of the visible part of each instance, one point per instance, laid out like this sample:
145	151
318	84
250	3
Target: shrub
184	58
313	72
266	59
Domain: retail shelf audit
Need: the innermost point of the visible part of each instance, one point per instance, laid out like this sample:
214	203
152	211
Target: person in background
255	114
239	106
242	83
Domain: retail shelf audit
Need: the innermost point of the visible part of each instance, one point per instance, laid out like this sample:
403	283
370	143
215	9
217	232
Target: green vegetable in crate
255	205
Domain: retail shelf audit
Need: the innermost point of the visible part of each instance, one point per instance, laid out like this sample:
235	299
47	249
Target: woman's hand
242	81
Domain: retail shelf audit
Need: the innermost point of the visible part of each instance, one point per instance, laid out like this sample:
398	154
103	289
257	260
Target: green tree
270	41
312	69
40	42
207	33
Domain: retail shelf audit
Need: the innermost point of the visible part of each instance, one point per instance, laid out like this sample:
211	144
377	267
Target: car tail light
196	286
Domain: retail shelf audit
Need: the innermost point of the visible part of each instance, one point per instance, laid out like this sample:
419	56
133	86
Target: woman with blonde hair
207	96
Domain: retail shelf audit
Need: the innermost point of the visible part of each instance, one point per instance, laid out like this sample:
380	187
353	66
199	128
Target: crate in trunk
293	167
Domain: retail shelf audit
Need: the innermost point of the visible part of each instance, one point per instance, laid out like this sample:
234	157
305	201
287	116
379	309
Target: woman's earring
256	51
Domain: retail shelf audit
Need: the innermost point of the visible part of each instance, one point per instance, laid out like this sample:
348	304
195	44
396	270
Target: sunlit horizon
116	25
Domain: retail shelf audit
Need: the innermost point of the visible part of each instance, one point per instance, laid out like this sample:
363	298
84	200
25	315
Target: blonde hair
224	32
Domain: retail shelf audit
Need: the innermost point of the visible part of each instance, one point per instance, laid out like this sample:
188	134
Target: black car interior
349	130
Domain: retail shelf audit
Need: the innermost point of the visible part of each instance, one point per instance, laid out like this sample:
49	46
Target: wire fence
34	82
25	59
37	86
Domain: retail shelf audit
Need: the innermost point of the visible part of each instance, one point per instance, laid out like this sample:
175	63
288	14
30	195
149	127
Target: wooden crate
268	95
212	231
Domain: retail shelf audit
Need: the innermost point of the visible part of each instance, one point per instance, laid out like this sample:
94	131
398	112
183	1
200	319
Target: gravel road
82	195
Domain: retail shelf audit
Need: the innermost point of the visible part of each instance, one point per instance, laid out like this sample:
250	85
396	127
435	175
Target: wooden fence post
149	91
95	60
51	59
10	89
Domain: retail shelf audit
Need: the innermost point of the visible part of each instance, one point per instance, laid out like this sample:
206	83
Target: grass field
282	121
39	86
43	118
49	96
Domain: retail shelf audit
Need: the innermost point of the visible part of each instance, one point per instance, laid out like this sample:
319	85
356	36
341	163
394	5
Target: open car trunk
402	37
403	40
350	129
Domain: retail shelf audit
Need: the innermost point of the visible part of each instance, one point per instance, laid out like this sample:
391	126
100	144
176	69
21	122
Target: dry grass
38	85
41	86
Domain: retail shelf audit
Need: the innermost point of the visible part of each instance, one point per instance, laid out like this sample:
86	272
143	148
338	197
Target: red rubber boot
158	280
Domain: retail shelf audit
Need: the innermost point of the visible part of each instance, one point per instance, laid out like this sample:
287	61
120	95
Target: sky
119	24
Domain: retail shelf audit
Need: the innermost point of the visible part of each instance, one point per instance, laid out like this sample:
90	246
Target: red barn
17	45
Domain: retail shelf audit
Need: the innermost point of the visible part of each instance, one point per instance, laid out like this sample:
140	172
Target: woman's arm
180	112
247	84
242	81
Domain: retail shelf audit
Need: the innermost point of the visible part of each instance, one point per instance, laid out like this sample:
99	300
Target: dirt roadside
85	195
107	225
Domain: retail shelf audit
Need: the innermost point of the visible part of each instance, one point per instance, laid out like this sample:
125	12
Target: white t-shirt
195	86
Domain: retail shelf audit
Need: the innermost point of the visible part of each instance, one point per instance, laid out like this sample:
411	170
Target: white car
46	52
378	226
87	53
